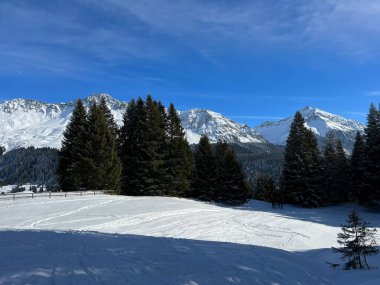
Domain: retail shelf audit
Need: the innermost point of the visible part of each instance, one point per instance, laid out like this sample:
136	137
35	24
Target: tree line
147	155
314	178
29	165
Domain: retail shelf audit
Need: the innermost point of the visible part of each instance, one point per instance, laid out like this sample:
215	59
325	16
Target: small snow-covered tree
358	241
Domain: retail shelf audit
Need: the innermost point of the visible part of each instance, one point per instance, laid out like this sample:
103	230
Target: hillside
157	240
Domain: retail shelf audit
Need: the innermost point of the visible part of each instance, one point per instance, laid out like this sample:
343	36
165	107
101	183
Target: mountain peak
317	120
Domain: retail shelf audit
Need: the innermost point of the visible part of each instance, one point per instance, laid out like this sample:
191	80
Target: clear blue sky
250	60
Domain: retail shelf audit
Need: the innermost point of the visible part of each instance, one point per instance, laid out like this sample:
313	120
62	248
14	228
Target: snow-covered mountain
320	122
199	122
33	123
27	122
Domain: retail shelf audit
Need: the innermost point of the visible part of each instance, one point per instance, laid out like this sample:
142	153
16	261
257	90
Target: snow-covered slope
160	240
199	122
33	123
320	122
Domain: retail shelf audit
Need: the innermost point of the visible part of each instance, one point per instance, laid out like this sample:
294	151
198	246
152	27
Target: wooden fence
22	195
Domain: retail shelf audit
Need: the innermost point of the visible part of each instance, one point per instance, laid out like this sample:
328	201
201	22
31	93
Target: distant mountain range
27	122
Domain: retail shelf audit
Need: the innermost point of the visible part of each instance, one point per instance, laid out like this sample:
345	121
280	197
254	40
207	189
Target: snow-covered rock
33	123
320	122
199	122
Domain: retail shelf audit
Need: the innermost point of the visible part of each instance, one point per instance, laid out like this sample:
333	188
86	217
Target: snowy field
155	240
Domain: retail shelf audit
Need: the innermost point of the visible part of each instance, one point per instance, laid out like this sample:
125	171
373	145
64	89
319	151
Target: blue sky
250	60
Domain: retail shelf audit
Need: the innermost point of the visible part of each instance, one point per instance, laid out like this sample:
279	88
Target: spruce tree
71	167
101	153
221	149
236	188
357	171
342	174
109	117
131	137
265	188
372	156
311	196
357	242
205	177
301	173
153	149
178	156
329	169
231	187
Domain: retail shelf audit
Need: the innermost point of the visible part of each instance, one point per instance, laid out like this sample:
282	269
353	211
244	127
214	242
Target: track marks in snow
63	214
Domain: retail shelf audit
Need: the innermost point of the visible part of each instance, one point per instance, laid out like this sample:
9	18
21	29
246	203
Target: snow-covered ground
156	240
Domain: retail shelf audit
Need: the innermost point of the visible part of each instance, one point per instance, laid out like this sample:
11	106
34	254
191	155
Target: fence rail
21	195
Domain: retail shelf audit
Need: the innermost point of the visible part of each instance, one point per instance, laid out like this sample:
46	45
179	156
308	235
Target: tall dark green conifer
70	170
357	171
153	149
372	156
236	190
301	173
109	117
329	169
342	175
205	176
179	158
101	154
131	138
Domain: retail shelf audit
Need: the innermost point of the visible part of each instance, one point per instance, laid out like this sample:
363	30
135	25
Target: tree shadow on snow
47	257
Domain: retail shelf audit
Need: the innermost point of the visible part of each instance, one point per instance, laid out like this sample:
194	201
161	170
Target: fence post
49	194
13	197
32	195
65	194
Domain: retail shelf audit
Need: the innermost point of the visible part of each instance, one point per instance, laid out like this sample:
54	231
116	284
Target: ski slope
158	240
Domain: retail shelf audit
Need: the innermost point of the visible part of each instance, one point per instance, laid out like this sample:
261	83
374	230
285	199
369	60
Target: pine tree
109	117
103	167
153	150
342	173
301	173
265	188
231	187
357	171
221	149
329	169
205	177
70	170
357	241
131	137
372	156
179	158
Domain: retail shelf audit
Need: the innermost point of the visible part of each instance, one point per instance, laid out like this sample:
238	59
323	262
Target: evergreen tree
70	169
205	177
108	115
357	241
342	174
143	139
357	171
329	169
131	138
301	173
179	158
265	188
103	167
231	187
372	156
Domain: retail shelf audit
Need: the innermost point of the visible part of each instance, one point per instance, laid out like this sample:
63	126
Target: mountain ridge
29	122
